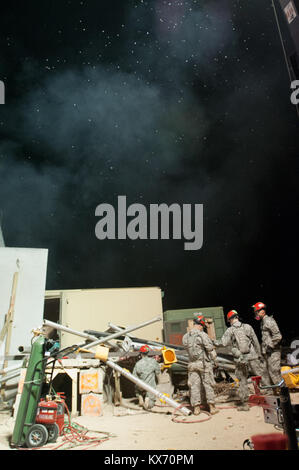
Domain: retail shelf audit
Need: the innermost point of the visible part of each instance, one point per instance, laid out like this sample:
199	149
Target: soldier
271	338
246	351
146	369
202	358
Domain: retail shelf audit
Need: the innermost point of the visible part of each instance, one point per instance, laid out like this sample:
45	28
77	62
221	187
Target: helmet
144	349
197	314
257	307
231	314
199	319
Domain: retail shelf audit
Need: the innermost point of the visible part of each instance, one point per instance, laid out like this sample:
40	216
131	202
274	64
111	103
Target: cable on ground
183	419
74	435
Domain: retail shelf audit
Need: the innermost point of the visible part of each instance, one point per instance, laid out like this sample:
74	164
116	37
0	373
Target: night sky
182	102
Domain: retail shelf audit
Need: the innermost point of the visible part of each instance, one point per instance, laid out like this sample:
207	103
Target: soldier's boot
205	407
146	403
140	400
243	407
196	410
213	409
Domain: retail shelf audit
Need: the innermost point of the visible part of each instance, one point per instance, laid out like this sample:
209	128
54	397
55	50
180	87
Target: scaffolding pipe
10	369
130	376
290	371
225	361
115	328
145	341
160	345
57	326
148	388
7	378
120	333
101	340
221	366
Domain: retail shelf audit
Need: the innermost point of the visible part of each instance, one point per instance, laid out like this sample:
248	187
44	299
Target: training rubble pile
41	411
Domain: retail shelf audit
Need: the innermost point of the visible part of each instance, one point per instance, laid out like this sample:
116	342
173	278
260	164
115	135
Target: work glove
241	359
236	353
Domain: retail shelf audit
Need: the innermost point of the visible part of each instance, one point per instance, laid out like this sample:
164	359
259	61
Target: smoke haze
174	102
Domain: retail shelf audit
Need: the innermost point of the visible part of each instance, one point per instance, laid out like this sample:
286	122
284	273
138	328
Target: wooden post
7	328
117	394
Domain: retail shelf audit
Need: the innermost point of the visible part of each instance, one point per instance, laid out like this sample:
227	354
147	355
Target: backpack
243	342
193	350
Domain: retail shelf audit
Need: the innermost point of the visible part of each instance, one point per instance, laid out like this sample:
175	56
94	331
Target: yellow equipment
169	356
291	379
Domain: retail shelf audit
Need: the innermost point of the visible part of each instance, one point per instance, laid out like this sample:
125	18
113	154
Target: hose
182	419
75	435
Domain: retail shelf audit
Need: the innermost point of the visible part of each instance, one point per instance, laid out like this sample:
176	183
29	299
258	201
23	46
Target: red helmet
199	319
144	349
231	314
259	306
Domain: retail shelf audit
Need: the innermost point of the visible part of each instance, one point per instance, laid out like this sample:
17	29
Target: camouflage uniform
271	338
147	369
256	364
244	361
202	356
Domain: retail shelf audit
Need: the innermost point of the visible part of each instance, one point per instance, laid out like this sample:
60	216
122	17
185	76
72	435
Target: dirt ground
130	428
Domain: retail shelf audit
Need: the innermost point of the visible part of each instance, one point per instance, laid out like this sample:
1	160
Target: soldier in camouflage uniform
246	351
146	369
271	338
202	359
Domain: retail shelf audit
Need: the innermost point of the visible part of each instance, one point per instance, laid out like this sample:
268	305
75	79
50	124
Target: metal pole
120	333
225	361
183	360
69	330
10	369
160	345
115	328
6	378
292	371
101	340
288	418
57	326
134	344
148	388
130	376
145	341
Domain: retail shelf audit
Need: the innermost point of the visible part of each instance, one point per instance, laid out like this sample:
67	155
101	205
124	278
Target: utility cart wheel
53	431
37	436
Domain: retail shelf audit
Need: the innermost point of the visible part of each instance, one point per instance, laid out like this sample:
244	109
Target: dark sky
182	102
